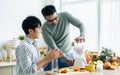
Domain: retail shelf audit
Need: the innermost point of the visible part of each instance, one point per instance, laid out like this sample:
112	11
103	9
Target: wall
12	13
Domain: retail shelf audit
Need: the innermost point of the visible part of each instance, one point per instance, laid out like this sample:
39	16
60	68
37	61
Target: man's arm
49	39
51	43
24	57
76	22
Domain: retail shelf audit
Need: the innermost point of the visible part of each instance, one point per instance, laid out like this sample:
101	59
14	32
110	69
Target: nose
40	30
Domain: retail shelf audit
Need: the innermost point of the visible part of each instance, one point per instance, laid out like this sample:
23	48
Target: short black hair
48	10
31	22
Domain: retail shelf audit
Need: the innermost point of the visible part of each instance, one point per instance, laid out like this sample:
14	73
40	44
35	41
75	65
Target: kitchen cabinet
8	68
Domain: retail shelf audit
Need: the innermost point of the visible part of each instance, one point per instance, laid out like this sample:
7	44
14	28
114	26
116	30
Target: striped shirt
28	56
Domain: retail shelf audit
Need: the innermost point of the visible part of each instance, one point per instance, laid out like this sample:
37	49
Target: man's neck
31	37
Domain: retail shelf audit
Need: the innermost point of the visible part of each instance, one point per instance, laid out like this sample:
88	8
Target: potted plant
21	37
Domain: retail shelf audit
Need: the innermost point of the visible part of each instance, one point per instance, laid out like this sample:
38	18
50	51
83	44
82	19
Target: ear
30	30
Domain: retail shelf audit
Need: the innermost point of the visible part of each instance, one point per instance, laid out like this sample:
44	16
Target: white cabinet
7	68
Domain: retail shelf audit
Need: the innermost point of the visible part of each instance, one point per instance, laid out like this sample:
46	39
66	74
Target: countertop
104	72
3	64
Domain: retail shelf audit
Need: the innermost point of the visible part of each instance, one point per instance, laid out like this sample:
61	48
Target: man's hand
54	54
70	62
80	39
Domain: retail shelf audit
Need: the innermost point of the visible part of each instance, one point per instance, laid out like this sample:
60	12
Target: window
110	25
101	19
86	11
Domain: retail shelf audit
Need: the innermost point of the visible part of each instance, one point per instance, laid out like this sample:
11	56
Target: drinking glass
55	65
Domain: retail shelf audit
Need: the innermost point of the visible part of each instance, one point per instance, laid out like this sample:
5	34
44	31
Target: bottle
99	66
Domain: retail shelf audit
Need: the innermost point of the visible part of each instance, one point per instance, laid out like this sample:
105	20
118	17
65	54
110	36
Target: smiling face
34	34
37	32
52	19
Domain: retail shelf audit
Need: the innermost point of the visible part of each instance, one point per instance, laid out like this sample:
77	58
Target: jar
4	54
99	66
79	55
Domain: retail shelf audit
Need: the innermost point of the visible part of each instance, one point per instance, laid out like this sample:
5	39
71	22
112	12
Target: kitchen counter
8	68
104	72
3	64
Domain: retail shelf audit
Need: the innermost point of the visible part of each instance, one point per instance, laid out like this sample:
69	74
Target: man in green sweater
56	33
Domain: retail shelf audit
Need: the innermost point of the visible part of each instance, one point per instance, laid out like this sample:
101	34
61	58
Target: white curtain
86	12
110	25
107	20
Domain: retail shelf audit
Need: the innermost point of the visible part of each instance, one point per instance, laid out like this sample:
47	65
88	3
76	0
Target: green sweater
58	36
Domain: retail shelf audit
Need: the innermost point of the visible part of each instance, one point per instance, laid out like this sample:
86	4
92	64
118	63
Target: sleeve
50	41
25	60
76	22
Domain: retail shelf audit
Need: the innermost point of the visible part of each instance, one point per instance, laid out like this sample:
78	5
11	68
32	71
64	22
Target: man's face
35	33
52	19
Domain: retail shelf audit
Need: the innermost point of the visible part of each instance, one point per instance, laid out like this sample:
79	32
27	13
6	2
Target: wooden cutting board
68	73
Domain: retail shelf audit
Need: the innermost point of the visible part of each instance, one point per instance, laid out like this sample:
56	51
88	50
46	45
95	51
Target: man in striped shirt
27	54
